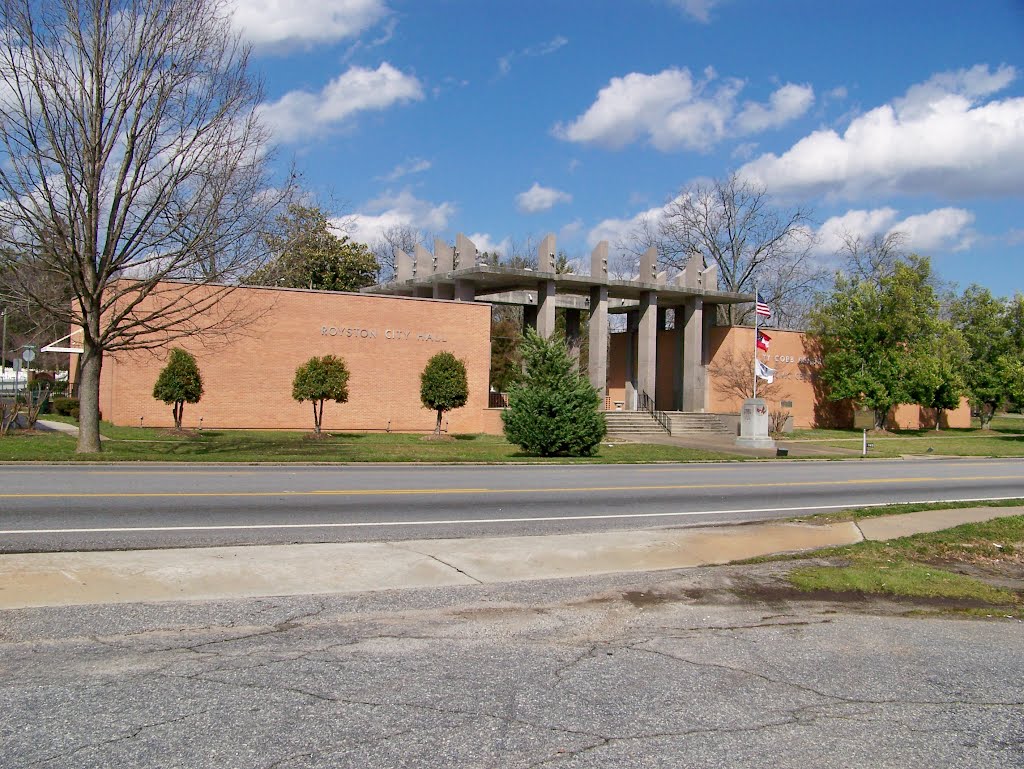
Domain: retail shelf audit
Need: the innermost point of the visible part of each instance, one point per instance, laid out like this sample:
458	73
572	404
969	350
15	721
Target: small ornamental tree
443	385
318	380
179	383
553	410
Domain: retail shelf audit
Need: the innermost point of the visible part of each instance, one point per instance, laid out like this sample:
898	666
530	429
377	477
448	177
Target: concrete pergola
455	273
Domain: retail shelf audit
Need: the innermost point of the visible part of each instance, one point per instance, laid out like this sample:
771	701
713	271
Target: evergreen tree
308	254
179	383
553	410
443	385
319	380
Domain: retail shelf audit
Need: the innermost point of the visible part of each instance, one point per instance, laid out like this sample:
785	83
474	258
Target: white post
864	445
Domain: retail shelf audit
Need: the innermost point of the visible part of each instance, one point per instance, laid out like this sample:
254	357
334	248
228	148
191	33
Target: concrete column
465	252
424	262
444	256
444	291
649	266
404	269
599	263
546	254
647	344
694	373
598	365
465	291
546	307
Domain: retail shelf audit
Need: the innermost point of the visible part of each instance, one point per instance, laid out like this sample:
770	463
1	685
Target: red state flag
763	341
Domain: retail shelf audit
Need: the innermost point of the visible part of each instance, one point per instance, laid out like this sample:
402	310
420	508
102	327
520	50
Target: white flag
765	373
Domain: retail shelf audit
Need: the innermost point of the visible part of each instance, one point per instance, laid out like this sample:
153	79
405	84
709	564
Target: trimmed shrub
553	410
318	380
179	383
443	385
66	407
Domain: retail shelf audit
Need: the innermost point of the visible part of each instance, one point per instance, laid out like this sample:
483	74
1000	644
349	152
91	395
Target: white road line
367	524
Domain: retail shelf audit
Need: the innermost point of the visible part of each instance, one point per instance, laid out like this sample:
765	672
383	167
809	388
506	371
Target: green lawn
1004	438
929	565
148	444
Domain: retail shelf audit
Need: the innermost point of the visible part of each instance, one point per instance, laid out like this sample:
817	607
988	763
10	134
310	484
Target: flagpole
755	340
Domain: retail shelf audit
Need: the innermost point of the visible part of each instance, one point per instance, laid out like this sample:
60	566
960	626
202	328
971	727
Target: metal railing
646	403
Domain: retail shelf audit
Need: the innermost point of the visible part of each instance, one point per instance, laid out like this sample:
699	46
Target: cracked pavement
672	669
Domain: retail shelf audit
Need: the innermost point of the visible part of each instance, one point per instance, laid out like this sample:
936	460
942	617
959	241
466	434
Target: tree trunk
880	415
437	429
316	417
179	410
89	400
985	413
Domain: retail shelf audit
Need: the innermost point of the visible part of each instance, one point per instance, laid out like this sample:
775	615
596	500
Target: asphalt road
667	670
124	507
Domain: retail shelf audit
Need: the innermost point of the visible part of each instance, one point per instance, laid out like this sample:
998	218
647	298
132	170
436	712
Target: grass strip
901	578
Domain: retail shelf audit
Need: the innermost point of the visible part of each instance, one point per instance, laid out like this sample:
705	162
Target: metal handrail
646	403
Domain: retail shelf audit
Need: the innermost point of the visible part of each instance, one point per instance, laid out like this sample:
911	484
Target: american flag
762	307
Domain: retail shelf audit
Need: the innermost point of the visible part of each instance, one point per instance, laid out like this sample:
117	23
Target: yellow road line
540	490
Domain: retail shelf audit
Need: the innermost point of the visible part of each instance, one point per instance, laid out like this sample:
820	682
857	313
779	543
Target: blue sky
505	120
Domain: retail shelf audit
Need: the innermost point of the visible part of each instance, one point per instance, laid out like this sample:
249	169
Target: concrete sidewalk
61	579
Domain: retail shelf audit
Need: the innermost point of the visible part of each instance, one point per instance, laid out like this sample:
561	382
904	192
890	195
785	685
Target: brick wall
247	376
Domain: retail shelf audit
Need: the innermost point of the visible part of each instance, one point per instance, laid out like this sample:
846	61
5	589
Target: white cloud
619	230
673	110
286	23
699	10
485	242
935	139
942	229
300	114
552	45
537	199
403	209
410	166
786	104
857	224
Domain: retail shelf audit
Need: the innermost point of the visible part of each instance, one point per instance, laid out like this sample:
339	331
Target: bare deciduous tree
871	258
733	224
398	237
132	156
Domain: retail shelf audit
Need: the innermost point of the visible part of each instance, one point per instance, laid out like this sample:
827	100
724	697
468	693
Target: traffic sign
29	354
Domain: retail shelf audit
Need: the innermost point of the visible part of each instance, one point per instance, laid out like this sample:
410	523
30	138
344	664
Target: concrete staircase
626	424
687	423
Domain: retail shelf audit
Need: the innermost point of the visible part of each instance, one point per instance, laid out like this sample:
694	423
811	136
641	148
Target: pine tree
552	411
